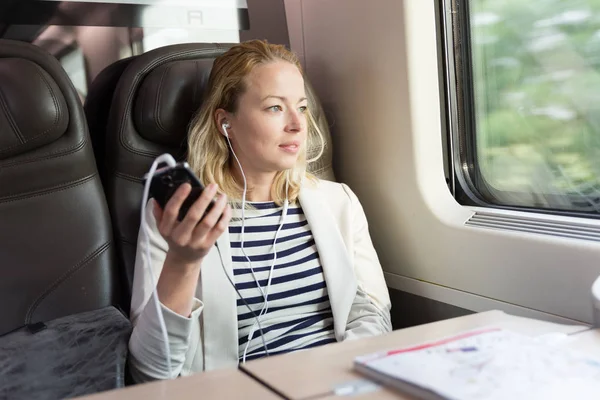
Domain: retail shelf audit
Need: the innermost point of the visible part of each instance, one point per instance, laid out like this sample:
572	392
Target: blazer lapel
220	329
333	254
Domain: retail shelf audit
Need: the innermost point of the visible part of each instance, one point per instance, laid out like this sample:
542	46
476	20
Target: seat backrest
322	167
57	255
97	107
153	103
155	99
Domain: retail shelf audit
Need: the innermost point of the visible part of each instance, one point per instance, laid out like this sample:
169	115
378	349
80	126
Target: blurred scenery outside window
536	82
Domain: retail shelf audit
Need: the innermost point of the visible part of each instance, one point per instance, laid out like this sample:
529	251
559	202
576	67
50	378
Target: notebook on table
485	364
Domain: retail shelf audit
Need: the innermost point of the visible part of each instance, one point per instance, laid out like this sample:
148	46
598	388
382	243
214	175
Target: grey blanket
70	356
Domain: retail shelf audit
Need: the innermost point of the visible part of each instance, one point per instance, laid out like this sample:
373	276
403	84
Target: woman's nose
295	121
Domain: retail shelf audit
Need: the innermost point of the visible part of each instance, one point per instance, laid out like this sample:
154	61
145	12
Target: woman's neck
259	187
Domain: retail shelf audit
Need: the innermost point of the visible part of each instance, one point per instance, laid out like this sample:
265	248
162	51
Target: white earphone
225	126
264	291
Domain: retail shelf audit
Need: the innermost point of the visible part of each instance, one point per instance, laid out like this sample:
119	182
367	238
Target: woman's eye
303	109
275	108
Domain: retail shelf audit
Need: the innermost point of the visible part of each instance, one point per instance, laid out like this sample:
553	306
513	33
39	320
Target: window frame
465	181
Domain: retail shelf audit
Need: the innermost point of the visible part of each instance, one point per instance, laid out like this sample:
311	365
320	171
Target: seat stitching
130	178
6	149
159	99
11	120
136	81
195	87
59	154
54	124
54	100
51	190
64	278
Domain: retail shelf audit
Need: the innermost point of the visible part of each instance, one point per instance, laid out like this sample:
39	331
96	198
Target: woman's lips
290	147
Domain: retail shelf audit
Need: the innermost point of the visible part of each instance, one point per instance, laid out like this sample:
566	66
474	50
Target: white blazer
208	339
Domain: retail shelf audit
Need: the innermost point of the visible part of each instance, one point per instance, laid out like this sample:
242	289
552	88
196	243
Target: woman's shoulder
334	192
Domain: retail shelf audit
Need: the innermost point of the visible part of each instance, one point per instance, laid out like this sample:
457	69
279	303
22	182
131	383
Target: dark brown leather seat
97	107
155	98
57	255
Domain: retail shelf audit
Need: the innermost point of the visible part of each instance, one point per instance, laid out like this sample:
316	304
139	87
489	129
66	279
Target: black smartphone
165	182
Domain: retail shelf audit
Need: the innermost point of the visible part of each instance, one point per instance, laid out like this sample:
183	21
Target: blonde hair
209	155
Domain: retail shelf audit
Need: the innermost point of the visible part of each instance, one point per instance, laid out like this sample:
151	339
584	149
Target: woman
299	254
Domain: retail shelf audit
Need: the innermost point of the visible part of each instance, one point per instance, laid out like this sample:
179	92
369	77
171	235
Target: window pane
74	65
536	76
159	37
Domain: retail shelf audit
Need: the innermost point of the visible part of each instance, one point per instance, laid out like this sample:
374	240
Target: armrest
70	356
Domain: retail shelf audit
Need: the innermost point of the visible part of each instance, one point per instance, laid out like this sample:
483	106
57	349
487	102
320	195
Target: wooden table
316	373
325	372
218	385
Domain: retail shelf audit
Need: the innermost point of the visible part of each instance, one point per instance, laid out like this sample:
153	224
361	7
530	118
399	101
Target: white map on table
496	365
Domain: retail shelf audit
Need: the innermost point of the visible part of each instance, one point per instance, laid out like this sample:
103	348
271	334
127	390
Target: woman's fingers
220	227
171	211
209	221
200	228
183	231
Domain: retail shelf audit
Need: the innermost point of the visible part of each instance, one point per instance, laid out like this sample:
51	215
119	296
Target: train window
523	82
73	63
158	37
86	36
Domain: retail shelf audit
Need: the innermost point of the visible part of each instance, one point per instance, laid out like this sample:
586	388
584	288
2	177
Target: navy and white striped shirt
299	313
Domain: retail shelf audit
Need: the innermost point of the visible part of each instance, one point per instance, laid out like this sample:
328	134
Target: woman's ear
222	121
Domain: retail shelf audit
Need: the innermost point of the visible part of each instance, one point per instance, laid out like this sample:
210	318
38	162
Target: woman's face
268	130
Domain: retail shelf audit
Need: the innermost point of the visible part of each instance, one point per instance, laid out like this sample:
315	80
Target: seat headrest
168	98
27	90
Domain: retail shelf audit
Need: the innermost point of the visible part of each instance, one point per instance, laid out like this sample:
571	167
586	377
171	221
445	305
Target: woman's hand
191	239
